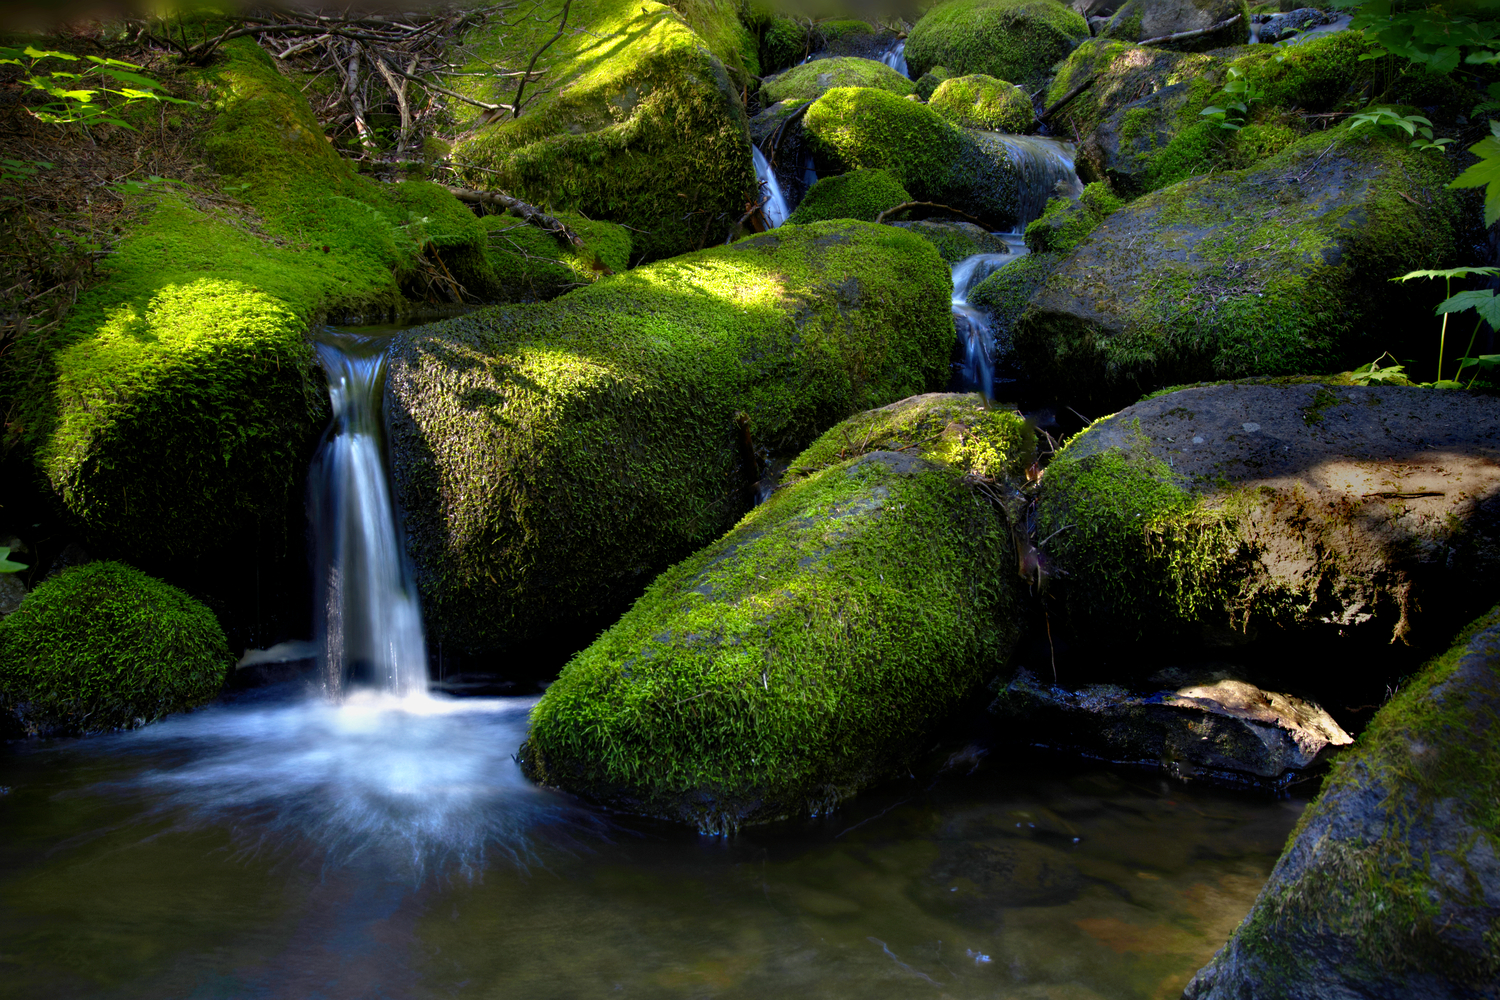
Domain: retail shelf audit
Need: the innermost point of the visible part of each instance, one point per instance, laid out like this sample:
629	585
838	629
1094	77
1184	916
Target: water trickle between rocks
895	58
774	206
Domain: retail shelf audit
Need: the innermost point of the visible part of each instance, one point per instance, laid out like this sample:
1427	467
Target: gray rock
1281	26
1246	507
1138	20
12	593
1390	889
1214	727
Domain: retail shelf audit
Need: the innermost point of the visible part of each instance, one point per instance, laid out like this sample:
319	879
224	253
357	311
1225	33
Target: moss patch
529	264
980	101
1067	221
1006	39
104	646
859	194
811	80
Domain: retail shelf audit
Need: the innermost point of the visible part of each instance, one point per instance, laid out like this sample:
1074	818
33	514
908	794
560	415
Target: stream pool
280	846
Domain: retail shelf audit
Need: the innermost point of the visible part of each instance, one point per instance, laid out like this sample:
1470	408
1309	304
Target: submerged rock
811	80
1277	270
806	653
1390	886
1006	39
983	102
1235	508
1224	22
550	458
104	646
1214	727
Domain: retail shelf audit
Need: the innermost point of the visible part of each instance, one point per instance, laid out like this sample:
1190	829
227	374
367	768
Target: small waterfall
895	58
1044	167
976	369
773	205
371	619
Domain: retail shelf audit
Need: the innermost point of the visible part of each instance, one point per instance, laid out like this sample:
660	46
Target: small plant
1237	96
7	565
1485	173
1376	374
1482	301
1419	128
82	98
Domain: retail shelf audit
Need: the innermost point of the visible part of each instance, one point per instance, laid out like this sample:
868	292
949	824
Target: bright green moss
104	646
801	657
983	102
636	123
1067	221
849	128
811	80
550	457
719	25
1006	39
954	429
529	264
859	194
928	83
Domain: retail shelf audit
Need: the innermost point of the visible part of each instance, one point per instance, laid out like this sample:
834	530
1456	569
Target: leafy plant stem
1469	352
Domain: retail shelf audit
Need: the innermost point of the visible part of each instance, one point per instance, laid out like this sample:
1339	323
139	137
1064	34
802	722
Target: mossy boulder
1222	22
530	264
848	128
1003	296
636	122
979	101
1067	221
1276	270
1264	508
1390	884
927	84
955	240
784	42
551	457
808	652
1006	39
812	80
725	32
859	194
103	646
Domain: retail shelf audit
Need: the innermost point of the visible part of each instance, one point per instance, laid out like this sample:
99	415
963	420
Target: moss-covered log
104	646
806	653
551	457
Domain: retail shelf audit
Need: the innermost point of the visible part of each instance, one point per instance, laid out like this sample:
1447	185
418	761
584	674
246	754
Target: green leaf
1482	302
133	78
6	564
1444	60
1483	361
1452	272
49	54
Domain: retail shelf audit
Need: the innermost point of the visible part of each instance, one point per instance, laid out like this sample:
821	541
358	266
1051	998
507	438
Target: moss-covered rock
1277	270
927	84
1067	221
1003	297
551	457
719	24
859	194
1224	22
529	264
955	240
104	646
1262	507
785	42
848	128
1390	884
812	80
806	653
1006	39
980	101
636	122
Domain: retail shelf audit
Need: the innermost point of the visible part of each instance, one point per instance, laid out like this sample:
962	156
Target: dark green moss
859	194
1004	294
104	646
1067	221
1006	39
529	264
983	102
784	43
928	83
955	240
811	80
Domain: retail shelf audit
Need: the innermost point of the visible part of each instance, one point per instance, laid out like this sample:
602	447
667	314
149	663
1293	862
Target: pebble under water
286	846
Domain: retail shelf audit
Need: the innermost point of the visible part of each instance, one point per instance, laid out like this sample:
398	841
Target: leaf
134	78
1482	302
1483	361
1212	111
1444	60
6	564
1452	272
49	54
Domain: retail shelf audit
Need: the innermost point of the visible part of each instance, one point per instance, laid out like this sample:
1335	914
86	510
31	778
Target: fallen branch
908	205
521	87
1184	36
780	131
529	213
1062	102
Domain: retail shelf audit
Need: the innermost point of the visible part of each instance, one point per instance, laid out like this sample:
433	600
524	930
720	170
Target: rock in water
551	458
805	654
859	194
1006	39
1222	729
1242	507
1390	887
1278	270
104	646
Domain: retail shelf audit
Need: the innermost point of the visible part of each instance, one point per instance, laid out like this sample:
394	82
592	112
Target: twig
1183	36
521	87
530	213
1062	102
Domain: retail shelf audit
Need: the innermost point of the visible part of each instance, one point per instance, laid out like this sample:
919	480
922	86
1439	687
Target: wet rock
12	593
1276	270
1390	888
1214	727
806	653
1278	27
956	240
974	880
551	458
1138	20
1006	39
1260	507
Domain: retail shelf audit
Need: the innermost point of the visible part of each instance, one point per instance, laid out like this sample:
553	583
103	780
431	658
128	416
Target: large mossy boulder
1390	885
103	646
808	652
635	121
849	128
1208	24
1006	39
812	80
1265	508
983	102
1281	269
859	194
551	457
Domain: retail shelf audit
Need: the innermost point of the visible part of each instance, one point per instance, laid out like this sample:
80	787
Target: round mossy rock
1006	39
811	80
859	194
979	101
103	646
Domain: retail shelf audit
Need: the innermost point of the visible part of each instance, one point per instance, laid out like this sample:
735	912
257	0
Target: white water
977	371
371	618
1045	168
895	58
774	206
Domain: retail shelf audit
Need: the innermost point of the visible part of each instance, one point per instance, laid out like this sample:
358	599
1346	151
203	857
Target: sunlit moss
1006	39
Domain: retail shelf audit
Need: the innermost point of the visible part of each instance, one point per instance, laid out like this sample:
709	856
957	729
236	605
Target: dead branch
521	87
1183	36
1061	103
908	205
529	213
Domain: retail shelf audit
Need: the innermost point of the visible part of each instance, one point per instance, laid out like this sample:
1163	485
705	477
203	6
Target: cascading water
773	206
895	58
1045	168
372	622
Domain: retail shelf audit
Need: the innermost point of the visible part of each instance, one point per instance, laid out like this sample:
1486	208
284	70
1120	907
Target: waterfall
1044	169
773	205
895	58
976	369
371	619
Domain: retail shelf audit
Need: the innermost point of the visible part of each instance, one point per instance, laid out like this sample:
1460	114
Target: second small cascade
773	202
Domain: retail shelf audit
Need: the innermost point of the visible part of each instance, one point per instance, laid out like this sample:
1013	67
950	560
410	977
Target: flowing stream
895	58
774	206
